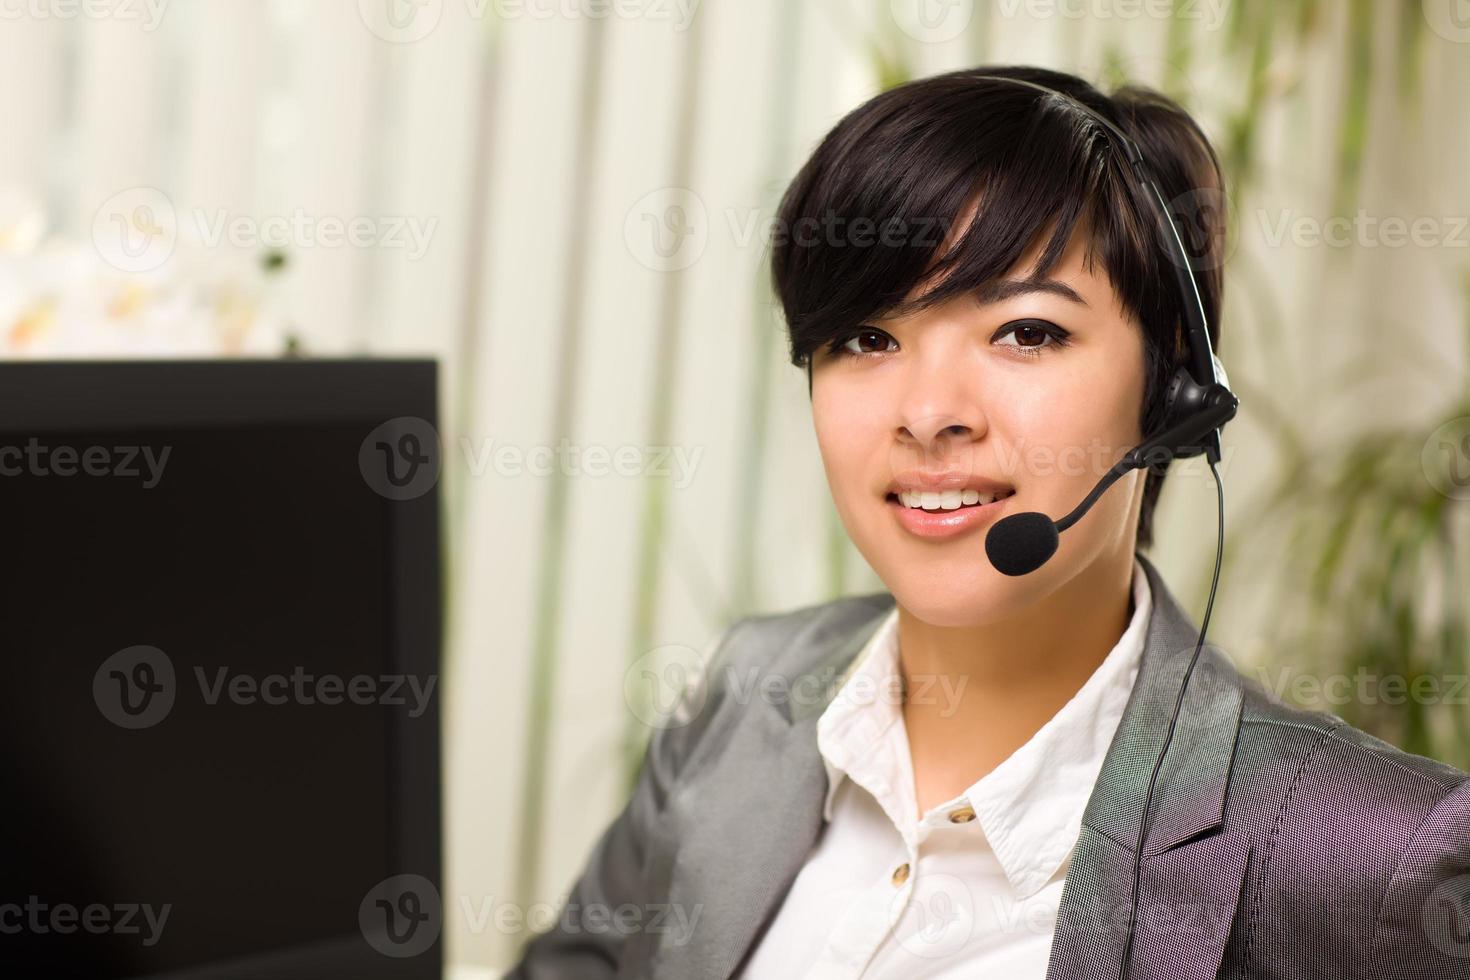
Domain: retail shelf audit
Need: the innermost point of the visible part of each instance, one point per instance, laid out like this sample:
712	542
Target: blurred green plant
1372	598
1374	531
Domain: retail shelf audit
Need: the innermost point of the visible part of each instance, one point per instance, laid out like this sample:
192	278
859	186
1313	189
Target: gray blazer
1284	843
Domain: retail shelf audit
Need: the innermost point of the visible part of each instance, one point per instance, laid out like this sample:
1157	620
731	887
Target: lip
945	523
919	481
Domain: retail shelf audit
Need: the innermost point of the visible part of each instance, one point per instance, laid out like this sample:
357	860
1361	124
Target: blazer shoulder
1294	730
758	650
1312	777
1341	819
799	640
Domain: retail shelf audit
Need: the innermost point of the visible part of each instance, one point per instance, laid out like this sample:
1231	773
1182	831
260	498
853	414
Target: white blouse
972	888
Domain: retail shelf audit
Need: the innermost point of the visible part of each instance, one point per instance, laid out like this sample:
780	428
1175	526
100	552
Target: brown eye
868	340
1030	335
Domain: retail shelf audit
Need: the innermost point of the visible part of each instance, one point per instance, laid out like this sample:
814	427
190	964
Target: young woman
948	778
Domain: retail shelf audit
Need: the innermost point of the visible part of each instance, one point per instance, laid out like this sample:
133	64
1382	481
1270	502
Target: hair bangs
921	210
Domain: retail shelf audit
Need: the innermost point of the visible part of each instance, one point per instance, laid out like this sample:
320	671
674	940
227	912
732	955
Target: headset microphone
1197	403
1021	543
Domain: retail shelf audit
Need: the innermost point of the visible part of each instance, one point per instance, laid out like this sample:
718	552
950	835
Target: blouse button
901	874
963	814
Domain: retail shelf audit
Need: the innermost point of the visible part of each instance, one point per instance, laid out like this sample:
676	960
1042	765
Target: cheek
1073	430
846	435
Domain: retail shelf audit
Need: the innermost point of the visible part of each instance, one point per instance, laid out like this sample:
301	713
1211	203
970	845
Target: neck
991	687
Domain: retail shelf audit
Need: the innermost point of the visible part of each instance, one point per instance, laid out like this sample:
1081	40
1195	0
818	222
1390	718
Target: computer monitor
219	714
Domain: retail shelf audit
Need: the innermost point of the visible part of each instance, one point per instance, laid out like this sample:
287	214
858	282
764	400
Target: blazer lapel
758	802
1190	879
761	799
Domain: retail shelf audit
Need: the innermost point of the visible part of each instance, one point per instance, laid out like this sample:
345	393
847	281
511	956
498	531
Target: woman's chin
984	596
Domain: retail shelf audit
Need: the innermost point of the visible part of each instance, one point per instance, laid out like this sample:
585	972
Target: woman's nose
934	445
934	431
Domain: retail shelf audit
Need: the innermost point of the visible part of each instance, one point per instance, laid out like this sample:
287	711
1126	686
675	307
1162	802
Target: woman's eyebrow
1000	290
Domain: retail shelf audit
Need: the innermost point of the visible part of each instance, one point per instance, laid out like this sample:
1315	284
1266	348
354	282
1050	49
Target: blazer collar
739	860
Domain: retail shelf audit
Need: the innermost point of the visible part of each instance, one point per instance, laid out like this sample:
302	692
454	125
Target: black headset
1197	404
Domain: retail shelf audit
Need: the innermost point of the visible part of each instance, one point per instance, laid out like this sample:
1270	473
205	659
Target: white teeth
949	499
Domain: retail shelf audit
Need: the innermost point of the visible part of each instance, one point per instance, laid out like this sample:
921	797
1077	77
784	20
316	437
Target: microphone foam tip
1021	543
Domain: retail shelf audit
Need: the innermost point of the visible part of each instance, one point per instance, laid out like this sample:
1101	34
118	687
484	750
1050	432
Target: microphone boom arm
1159	448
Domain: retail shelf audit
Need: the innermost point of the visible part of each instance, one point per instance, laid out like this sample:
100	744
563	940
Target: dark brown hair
862	223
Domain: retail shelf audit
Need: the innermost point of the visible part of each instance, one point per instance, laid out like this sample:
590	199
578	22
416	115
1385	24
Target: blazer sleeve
1424	926
584	942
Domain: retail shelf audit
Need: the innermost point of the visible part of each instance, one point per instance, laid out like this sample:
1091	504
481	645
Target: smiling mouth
946	501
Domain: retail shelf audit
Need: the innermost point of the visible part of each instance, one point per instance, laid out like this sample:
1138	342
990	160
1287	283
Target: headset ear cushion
1175	412
1173	408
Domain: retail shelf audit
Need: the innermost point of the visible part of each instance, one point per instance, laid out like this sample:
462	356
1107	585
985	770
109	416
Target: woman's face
1035	388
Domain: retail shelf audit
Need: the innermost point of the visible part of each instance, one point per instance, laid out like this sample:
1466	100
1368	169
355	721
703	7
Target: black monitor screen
201	706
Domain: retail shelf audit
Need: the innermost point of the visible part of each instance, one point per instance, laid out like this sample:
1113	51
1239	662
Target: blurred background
567	203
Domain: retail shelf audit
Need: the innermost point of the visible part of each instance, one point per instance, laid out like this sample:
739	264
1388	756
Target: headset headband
1202	358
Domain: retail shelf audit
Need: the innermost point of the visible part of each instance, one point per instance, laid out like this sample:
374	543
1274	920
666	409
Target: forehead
1076	277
